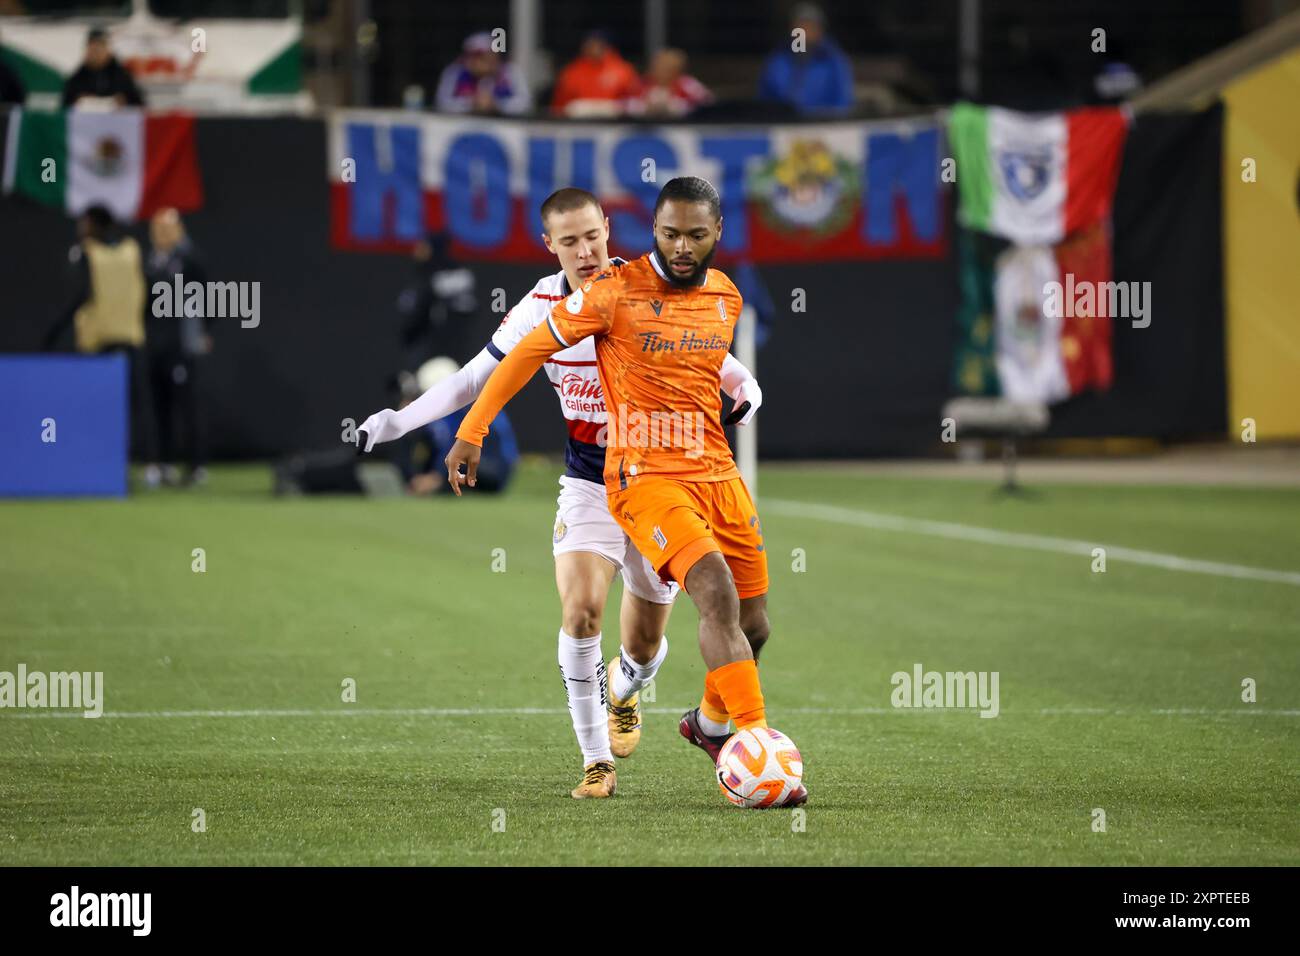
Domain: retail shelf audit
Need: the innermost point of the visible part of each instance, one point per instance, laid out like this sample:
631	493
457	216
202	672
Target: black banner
981	907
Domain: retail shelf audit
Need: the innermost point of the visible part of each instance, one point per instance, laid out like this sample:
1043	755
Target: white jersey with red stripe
572	372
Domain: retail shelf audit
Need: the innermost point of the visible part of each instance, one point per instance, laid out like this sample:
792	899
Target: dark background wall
864	371
1027	47
1169	378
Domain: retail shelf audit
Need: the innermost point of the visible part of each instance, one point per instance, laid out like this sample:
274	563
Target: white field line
37	714
1011	539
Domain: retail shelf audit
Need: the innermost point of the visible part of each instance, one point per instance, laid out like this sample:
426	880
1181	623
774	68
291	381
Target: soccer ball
759	768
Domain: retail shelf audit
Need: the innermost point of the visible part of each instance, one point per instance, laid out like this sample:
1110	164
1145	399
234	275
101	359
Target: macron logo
102	909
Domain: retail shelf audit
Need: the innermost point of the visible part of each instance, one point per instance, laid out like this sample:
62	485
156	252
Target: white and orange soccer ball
758	768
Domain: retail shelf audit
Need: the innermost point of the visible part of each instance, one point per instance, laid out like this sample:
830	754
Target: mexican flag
130	161
1046	353
975	363
1016	339
1035	178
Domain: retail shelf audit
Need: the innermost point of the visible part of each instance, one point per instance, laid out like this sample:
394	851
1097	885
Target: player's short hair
690	189
567	200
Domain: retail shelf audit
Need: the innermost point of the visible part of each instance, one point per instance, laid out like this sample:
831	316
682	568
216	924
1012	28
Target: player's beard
687	282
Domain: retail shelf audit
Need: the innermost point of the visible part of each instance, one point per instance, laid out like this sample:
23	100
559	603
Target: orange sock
711	705
738	685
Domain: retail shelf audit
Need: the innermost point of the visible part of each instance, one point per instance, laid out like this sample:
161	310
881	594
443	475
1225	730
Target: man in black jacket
176	341
101	76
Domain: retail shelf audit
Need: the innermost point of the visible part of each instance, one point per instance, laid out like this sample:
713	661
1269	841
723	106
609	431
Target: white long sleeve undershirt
452	393
460	389
734	375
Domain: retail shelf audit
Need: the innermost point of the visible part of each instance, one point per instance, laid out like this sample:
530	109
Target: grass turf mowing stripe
1037	542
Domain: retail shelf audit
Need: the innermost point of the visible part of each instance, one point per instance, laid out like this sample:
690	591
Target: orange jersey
659	351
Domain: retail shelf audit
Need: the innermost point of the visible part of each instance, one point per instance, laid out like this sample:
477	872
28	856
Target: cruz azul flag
847	190
1035	178
130	161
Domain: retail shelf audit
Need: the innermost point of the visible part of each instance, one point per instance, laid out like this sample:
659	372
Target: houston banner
813	192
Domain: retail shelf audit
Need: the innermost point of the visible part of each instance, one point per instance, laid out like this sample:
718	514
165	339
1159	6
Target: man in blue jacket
811	73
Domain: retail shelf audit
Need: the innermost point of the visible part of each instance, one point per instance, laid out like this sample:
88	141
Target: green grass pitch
1118	690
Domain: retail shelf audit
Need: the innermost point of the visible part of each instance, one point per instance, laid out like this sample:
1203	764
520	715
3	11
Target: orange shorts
675	523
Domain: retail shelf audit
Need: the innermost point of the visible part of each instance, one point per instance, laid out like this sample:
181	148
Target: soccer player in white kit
589	546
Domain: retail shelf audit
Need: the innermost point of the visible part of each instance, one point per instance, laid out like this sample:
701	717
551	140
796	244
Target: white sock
583	672
712	727
631	676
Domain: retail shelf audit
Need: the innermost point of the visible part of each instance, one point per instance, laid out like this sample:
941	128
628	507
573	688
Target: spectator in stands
104	304
668	90
1117	80
101	77
598	83
176	341
424	469
810	72
481	82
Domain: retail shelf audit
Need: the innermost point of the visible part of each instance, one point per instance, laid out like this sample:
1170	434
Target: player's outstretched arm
510	376
739	383
452	393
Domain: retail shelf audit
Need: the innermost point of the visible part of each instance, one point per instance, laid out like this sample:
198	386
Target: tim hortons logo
573	385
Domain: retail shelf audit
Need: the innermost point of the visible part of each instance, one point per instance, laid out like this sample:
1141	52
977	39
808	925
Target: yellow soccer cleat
624	721
598	781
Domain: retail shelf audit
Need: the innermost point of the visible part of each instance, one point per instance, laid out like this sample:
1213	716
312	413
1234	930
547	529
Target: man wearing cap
481	82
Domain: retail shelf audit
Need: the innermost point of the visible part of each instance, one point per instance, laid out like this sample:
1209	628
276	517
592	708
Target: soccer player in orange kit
662	325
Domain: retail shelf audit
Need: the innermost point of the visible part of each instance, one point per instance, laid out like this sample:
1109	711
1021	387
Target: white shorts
583	523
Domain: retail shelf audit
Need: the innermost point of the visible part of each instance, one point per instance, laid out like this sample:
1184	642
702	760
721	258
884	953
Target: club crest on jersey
560	529
657	305
660	538
574	302
722	309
